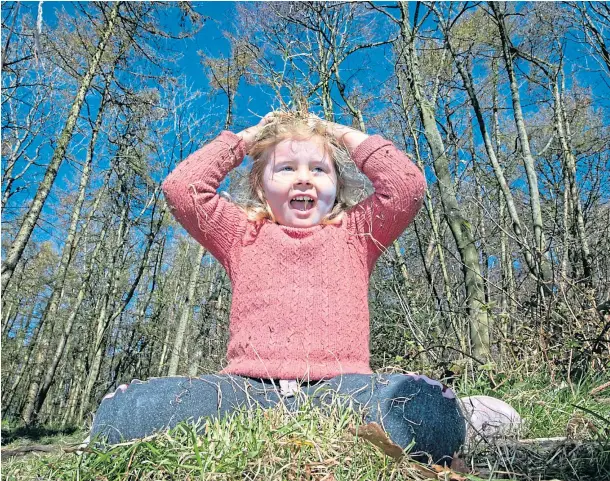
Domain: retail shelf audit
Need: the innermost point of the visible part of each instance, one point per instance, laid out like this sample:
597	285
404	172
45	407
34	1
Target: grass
18	436
306	445
549	409
266	445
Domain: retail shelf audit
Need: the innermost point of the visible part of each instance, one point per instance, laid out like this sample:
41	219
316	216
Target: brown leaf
458	465
423	471
446	474
375	435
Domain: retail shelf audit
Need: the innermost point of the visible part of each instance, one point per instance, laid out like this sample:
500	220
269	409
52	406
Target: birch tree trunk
110	293
104	320
185	314
491	155
75	392
33	398
435	237
74	310
562	128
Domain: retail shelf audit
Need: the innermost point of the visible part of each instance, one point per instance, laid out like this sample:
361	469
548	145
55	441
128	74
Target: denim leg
410	408
144	408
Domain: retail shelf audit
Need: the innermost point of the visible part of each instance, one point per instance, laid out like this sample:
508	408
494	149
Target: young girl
299	261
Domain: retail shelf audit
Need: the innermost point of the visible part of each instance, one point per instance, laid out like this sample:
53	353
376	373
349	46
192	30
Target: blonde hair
294	125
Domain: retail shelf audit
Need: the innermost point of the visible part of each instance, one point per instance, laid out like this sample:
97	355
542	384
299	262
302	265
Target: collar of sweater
255	228
302	232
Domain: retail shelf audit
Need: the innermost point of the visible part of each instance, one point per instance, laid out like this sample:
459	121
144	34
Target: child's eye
288	167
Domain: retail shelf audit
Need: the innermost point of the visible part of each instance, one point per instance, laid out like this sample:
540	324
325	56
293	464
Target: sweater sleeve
399	191
190	191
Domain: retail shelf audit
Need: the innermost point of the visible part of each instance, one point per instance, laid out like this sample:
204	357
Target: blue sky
211	40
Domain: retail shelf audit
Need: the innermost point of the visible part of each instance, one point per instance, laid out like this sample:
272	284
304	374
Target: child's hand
248	135
340	132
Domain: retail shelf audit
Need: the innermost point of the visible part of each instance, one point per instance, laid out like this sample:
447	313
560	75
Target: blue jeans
408	407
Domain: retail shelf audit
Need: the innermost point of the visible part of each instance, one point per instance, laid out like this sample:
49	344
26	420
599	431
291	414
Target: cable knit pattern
300	295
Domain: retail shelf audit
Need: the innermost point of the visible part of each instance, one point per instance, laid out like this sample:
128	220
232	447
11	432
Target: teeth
305	199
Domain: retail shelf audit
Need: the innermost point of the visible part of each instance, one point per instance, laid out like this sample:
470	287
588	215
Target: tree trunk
111	290
187	308
104	320
25	231
59	350
27	356
561	126
75	390
545	272
34	398
436	238
508	293
460	227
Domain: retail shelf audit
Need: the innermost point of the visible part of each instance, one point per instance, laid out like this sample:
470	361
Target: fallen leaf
458	465
446	474
375	435
423	471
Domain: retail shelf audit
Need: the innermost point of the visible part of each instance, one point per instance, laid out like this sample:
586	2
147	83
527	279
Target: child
299	260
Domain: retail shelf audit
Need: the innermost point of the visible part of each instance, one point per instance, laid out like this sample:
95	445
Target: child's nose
303	176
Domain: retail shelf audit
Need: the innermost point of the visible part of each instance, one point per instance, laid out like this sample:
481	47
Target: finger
121	388
271	115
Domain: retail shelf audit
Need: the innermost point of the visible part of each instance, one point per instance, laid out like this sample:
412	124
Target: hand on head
249	135
337	131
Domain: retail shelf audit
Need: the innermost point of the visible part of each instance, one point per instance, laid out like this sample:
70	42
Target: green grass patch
550	409
314	445
262	445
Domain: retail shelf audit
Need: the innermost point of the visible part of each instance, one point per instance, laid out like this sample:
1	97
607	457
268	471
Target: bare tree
27	226
460	227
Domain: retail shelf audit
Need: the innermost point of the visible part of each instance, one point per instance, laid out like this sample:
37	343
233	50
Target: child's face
300	168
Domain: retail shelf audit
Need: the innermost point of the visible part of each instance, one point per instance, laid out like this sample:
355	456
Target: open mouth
302	204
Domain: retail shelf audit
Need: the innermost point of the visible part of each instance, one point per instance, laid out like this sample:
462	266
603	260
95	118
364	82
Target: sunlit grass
263	445
306	445
548	407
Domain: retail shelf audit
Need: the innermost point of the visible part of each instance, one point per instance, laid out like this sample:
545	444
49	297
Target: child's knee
416	409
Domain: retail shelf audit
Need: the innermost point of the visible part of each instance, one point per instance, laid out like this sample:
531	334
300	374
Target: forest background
504	106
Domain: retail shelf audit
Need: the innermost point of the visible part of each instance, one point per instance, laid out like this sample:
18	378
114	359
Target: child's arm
399	190
190	191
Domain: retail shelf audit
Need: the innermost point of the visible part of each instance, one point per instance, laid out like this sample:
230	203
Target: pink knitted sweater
300	295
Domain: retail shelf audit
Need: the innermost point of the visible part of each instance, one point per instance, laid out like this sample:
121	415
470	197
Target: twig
599	389
42	448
